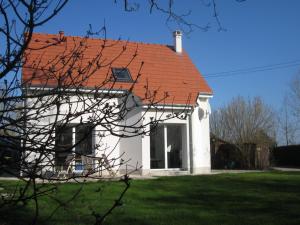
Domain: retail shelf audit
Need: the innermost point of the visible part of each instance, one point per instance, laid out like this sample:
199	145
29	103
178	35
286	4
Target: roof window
121	74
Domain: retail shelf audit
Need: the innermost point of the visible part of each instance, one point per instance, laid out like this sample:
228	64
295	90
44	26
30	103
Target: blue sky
258	33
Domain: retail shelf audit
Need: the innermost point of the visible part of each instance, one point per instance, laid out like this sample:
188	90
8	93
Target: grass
271	198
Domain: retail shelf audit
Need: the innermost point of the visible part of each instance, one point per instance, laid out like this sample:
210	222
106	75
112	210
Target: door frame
184	146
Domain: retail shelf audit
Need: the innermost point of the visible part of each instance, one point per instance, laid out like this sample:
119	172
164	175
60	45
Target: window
63	144
63	138
67	137
157	150
84	138
166	146
121	74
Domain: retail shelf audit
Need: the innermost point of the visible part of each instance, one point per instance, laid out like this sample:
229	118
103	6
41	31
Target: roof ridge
97	39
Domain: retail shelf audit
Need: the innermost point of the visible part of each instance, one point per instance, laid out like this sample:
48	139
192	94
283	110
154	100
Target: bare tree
243	122
289	115
294	96
174	19
36	118
287	124
51	105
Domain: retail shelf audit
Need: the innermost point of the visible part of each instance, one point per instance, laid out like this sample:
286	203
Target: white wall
200	136
131	147
136	150
108	144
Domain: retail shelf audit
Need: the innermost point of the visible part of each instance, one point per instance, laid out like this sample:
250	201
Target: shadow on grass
228	199
17	215
248	199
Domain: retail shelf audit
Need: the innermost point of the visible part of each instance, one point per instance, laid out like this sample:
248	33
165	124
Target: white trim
184	147
187	131
74	150
187	107
205	95
100	91
170	169
166	146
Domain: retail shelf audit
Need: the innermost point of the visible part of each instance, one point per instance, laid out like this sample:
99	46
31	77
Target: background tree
294	96
287	125
289	114
243	122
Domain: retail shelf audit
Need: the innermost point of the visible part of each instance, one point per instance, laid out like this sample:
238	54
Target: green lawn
250	198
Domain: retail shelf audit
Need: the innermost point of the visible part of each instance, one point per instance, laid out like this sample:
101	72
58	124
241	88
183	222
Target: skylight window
121	74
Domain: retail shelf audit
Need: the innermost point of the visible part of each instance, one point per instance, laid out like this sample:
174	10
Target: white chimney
177	34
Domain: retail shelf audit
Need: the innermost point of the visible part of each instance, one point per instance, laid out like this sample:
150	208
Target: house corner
200	136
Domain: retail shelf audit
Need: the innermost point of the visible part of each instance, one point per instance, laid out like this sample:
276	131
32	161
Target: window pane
174	146
84	139
121	74
157	152
63	144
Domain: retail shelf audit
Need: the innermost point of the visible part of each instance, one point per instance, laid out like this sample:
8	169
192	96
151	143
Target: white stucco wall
135	151
107	143
131	147
200	136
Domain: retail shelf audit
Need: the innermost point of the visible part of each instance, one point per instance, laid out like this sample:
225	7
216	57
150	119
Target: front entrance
166	146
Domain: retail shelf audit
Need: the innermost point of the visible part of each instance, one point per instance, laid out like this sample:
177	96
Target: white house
179	145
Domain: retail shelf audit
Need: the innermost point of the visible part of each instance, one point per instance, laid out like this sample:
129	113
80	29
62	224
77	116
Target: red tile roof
163	70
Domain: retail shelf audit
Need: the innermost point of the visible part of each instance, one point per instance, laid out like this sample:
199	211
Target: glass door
166	146
174	146
157	149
